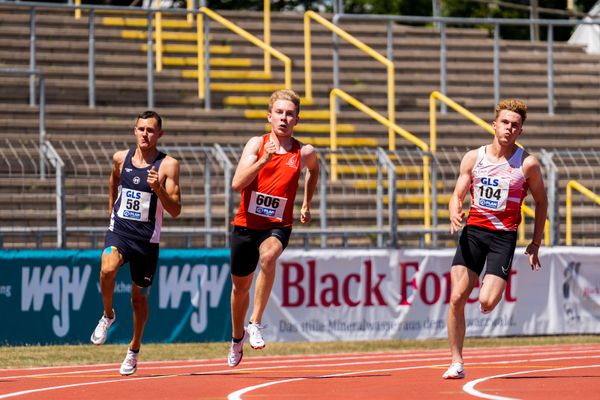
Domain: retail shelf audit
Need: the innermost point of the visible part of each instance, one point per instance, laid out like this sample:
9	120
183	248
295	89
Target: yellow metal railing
267	33
526	211
587	193
77	10
360	45
435	95
199	24
159	38
244	34
397	130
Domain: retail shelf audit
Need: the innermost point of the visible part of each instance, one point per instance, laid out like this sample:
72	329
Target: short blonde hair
513	105
285	94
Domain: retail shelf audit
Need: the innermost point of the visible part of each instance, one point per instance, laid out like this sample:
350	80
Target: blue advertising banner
53	297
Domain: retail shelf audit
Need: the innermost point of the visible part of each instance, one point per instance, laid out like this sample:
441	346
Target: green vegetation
38	356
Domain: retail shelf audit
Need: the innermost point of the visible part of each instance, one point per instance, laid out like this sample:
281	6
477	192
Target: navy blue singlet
137	212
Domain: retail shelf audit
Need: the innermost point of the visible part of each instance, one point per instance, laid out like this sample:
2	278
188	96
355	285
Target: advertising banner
54	297
325	295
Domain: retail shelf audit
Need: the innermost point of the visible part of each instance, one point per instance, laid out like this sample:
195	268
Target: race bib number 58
266	205
135	205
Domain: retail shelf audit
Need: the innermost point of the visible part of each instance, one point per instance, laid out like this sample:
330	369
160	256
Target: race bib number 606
266	205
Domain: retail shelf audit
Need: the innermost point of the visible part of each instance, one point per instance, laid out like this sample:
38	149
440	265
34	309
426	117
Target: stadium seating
86	137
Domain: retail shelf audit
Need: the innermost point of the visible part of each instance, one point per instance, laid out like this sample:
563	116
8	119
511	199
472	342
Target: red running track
532	372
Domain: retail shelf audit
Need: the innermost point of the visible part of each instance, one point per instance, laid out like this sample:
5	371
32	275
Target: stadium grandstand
74	76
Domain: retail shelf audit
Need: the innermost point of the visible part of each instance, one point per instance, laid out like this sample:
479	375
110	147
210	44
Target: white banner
324	295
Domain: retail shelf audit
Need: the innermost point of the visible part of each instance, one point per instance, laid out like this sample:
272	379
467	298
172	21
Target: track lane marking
470	386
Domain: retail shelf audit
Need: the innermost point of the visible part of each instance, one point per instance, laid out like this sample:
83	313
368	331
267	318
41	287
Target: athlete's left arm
311	161
165	183
533	175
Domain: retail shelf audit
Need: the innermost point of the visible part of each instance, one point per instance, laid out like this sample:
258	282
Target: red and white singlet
497	192
269	200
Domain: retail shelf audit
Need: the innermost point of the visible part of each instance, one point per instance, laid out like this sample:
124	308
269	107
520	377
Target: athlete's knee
108	274
139	300
268	259
487	304
458	299
240	286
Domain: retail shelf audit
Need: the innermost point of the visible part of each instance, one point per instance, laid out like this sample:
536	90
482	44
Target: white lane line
470	386
14	394
471	352
237	395
24	392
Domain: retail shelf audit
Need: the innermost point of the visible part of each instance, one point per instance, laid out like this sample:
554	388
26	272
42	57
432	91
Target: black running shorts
141	255
244	246
476	245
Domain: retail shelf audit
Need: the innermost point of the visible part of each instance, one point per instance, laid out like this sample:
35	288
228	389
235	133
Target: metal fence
354	211
69	208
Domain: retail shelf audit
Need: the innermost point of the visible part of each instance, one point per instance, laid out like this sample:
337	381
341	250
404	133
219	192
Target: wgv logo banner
65	286
53	296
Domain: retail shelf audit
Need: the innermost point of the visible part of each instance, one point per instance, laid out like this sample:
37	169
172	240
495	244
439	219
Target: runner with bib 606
267	176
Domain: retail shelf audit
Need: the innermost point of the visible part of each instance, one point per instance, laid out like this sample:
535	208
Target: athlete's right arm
115	176
249	164
455	206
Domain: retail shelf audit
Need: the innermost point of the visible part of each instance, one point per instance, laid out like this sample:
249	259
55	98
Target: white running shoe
129	365
455	371
255	336
236	351
101	332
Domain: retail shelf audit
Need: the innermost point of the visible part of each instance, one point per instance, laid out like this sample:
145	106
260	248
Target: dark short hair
150	114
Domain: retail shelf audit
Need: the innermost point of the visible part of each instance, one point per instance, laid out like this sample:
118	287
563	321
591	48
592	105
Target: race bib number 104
266	205
492	193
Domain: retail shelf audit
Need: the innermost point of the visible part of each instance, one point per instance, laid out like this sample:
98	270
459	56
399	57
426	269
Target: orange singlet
269	200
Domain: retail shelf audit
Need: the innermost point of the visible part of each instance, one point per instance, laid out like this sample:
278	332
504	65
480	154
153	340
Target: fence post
42	122
150	61
392	205
496	64
552	186
208	202
550	66
60	206
227	169
32	57
434	198
207	99
323	199
91	60
379	195
443	66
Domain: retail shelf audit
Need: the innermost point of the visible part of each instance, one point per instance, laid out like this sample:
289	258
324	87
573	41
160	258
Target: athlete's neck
495	152
285	142
144	157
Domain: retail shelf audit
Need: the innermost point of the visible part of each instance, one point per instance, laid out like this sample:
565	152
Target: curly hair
513	105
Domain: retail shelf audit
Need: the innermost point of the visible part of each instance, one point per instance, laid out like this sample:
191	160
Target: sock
135	351
234	340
